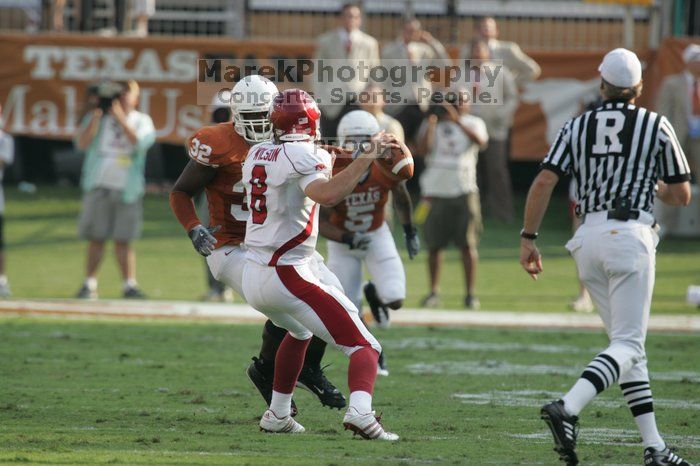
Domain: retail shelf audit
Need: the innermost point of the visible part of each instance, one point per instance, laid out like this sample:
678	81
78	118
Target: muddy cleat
261	374
663	457
367	426
379	311
382	368
472	302
315	381
564	429
269	422
134	292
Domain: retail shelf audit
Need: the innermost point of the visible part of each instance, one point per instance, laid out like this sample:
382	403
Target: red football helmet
295	116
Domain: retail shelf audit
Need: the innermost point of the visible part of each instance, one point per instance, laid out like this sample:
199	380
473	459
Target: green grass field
175	393
45	259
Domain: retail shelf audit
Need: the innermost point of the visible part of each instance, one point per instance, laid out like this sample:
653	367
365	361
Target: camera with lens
107	92
438	101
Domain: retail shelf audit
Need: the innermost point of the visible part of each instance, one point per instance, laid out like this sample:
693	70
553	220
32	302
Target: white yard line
242	313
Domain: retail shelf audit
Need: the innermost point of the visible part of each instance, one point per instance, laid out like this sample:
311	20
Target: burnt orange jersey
220	147
363	209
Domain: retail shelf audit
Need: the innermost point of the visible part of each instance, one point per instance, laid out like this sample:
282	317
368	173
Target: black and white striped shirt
617	150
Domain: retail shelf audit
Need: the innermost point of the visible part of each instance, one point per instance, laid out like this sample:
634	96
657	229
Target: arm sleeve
527	68
558	159
183	208
673	165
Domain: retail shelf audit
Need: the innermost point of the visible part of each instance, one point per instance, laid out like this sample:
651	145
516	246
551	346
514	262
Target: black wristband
409	230
347	239
526	235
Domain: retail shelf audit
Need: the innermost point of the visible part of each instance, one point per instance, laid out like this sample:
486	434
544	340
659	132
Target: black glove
357	240
412	241
203	239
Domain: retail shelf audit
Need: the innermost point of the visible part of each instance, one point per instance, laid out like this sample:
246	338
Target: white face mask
252	126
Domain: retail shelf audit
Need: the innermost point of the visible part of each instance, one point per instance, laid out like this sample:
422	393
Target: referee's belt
596	218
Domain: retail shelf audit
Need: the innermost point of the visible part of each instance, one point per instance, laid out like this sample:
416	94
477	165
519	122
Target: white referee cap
691	53
621	68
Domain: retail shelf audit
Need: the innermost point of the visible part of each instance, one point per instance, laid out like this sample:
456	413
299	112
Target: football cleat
367	426
262	374
564	429
379	311
86	293
269	422
382	368
663	457
315	381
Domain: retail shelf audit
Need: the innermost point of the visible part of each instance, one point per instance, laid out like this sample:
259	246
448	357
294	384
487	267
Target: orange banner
44	78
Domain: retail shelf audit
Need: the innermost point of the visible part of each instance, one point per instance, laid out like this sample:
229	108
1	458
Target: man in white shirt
115	141
451	139
7	155
346	45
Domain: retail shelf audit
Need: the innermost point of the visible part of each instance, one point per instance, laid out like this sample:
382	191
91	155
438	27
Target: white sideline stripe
242	313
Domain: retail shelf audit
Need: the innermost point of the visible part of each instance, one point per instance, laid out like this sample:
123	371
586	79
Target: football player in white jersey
286	179
358	233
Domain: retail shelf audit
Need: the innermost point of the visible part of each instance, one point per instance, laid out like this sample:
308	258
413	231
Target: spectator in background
679	101
344	46
451	139
494	174
142	12
115	138
7	155
415	46
372	101
522	67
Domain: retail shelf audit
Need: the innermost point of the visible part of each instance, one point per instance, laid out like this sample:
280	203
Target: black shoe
86	293
564	430
379	311
314	380
262	373
472	302
134	292
663	457
382	368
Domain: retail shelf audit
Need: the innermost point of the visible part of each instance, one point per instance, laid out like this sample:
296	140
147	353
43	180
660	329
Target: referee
616	155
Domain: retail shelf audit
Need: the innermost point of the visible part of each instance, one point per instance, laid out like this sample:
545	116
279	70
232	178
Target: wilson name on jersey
220	147
283	225
363	209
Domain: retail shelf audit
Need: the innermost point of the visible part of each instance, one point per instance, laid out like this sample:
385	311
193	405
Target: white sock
361	401
281	404
130	283
579	396
646	423
91	283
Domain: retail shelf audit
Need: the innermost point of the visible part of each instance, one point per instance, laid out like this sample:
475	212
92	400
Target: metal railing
534	24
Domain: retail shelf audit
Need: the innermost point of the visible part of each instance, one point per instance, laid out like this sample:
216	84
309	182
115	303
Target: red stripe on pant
362	370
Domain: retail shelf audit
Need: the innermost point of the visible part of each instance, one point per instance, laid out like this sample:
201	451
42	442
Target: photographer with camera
450	139
115	138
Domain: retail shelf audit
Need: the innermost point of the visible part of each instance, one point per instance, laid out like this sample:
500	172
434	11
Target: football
397	163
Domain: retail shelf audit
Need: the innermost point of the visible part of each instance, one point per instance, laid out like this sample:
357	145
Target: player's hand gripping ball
396	162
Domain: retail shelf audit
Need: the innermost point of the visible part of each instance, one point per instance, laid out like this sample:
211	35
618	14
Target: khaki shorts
454	220
105	216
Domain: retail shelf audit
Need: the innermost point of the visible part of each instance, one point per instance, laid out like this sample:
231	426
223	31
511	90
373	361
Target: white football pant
294	297
383	264
617	262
